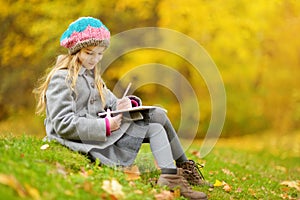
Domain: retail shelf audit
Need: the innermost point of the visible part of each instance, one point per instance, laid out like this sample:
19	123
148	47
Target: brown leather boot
192	173
174	181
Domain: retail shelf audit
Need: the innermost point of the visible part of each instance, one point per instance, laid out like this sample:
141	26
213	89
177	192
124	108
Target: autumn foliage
254	44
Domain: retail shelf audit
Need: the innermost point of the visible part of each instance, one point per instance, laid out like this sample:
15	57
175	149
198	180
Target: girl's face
90	56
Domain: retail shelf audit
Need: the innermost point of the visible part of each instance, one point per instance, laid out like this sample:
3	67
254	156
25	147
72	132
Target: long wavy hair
72	64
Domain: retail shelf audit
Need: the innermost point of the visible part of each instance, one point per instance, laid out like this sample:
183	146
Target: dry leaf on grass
133	173
226	186
33	192
281	168
60	169
138	191
218	183
227	172
44	147
85	173
165	195
12	182
87	186
196	153
114	188
69	193
292	184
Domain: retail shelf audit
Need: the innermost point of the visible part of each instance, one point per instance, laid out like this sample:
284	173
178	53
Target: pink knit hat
84	32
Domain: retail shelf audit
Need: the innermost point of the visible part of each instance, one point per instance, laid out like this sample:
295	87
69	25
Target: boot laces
199	167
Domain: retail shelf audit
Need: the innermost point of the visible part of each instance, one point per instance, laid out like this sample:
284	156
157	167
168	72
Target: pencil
127	89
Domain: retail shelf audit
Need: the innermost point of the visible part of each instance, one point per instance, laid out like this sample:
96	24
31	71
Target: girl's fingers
108	112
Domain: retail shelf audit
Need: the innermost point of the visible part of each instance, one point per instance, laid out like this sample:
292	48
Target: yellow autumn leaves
22	190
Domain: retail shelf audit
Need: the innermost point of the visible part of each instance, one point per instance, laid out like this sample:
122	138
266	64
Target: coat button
92	101
92	85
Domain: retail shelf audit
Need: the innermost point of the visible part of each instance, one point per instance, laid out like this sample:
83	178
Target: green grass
253	170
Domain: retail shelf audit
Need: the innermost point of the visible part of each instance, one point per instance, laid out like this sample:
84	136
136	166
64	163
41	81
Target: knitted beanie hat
84	32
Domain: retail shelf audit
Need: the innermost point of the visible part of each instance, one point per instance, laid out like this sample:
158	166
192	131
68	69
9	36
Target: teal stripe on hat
80	25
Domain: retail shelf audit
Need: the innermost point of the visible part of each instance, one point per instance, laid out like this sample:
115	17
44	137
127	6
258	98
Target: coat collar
84	70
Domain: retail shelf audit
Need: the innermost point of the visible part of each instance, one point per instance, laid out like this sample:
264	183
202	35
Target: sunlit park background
254	44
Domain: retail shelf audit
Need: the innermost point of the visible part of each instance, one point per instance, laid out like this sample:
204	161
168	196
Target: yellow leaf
281	168
33	192
69	193
218	183
12	182
177	193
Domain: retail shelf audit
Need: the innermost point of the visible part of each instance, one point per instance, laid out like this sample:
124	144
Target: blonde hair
73	65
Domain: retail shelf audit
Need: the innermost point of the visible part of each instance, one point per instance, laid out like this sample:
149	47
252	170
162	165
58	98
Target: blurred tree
254	45
250	42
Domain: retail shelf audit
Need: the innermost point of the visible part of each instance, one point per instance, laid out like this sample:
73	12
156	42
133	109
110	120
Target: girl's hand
123	103
114	122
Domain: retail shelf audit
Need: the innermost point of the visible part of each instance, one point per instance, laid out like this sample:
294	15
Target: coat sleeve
111	99
61	109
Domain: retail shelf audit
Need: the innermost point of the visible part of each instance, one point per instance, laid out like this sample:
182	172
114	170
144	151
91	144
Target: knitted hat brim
87	43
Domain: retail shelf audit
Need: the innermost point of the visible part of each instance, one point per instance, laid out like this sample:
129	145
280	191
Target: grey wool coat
72	120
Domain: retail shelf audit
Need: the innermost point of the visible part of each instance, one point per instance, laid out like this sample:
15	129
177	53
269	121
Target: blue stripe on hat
80	25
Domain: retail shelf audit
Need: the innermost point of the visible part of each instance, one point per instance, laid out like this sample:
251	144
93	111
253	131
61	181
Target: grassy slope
250	169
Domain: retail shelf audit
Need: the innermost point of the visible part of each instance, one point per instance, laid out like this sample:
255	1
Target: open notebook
132	113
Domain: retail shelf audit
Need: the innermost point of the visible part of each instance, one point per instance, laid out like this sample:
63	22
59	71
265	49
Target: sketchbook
131	110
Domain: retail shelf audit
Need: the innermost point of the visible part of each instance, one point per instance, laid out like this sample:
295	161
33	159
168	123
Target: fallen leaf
287	196
12	182
252	192
211	172
177	193
280	168
85	173
61	169
138	191
227	172
87	186
218	183
292	184
44	147
285	189
114	188
226	188
69	193
132	173
238	190
196	153
164	195
33	192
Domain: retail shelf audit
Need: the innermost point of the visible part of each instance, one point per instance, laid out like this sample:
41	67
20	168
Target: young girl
73	94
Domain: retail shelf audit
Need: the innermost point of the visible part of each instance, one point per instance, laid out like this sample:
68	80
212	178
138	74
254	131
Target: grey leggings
164	142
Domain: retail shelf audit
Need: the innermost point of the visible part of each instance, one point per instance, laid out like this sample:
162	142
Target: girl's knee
158	115
156	127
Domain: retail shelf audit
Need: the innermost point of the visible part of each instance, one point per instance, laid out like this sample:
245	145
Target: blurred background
255	45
